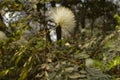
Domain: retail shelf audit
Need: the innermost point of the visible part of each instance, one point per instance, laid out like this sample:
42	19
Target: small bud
89	62
2	35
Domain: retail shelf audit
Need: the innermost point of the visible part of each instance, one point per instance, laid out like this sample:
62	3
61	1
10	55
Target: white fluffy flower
2	35
65	18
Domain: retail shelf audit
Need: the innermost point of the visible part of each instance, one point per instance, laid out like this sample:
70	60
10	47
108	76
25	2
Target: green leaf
113	63
5	72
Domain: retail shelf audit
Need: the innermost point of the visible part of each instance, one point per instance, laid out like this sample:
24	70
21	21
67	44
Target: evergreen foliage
92	53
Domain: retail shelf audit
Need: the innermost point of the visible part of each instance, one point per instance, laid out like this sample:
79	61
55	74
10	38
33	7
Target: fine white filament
65	18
